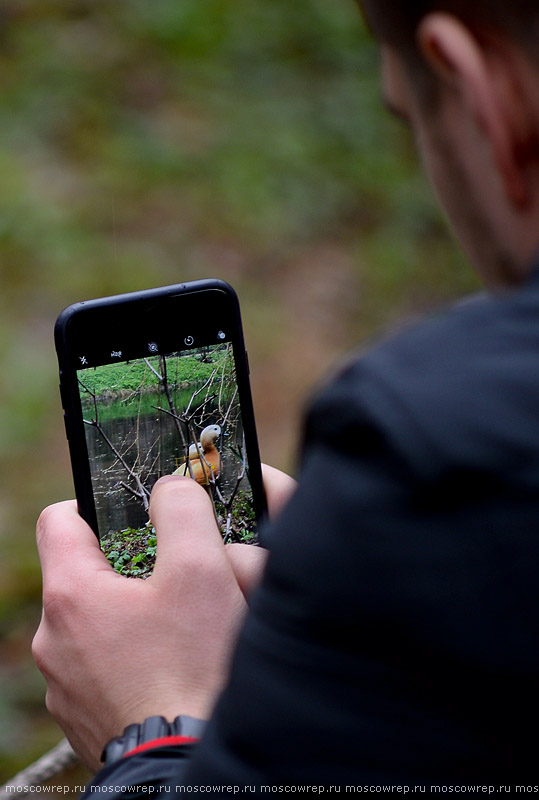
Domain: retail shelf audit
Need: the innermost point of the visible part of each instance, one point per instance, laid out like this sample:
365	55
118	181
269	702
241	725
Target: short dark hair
395	21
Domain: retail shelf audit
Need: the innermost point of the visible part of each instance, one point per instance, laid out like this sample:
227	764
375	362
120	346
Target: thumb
184	520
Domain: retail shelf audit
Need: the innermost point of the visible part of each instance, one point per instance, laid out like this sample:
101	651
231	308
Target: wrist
153	732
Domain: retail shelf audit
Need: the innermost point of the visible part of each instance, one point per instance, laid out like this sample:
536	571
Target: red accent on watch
165	741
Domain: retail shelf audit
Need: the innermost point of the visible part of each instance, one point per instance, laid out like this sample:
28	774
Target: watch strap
152	729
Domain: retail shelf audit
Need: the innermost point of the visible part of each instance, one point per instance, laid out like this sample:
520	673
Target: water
147	445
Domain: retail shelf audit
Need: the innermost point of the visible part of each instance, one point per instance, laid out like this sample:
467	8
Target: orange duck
204	457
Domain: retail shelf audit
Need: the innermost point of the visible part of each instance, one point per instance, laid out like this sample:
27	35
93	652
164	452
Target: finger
279	487
248	564
66	544
184	521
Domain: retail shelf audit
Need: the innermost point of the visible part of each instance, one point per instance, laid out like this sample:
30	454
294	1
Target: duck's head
209	435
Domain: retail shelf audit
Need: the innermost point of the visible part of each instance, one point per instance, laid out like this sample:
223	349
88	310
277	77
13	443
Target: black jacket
395	638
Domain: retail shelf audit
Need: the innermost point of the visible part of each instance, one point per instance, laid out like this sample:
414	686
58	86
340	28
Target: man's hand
248	562
116	650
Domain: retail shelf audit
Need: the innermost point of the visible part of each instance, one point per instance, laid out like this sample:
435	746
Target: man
394	638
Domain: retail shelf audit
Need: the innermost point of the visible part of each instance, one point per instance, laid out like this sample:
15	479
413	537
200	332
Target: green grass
137	375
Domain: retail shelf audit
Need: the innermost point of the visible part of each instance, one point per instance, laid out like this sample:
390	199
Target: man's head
396	21
465	74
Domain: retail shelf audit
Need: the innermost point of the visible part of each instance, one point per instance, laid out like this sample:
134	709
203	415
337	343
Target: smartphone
156	383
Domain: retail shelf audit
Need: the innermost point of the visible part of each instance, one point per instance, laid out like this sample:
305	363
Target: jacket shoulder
461	389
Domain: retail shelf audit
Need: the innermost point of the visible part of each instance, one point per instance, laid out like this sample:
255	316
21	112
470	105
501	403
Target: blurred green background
143	143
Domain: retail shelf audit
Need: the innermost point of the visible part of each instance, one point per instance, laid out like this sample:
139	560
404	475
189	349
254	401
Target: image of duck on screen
174	414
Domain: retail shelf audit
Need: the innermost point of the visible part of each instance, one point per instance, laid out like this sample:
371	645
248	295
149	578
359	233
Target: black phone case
132	319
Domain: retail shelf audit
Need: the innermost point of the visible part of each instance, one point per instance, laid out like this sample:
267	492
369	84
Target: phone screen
149	410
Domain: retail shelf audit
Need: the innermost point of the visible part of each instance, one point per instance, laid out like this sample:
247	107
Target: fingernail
166	478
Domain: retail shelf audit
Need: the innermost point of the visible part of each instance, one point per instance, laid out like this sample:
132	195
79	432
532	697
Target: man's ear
484	79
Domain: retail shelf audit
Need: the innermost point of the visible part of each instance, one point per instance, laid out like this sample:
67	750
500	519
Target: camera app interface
174	414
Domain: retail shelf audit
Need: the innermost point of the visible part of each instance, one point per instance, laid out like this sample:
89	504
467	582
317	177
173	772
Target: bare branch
144	492
180	418
54	762
198	391
132	491
155	372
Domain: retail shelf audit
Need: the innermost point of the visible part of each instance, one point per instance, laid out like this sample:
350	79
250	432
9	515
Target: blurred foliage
147	143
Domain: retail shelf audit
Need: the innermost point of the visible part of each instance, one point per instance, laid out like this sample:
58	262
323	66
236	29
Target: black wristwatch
148	731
